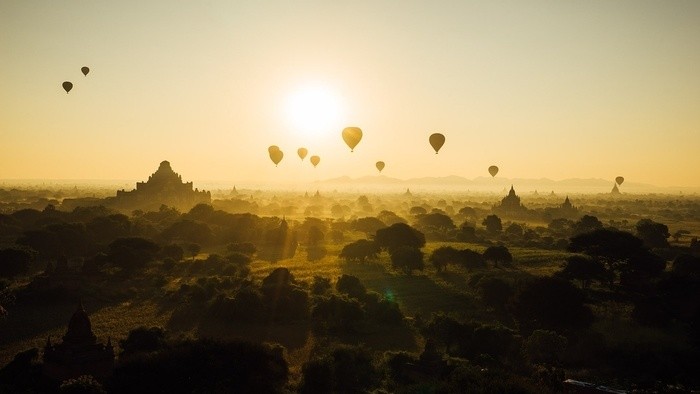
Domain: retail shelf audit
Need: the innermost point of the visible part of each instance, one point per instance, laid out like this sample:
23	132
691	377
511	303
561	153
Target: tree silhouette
586	224
493	224
622	252
132	253
585	269
437	221
470	259
347	369
193	249
654	235
498	254
368	225
351	286
494	292
407	259
204	366
551	303
360	250
399	234
13	262
444	256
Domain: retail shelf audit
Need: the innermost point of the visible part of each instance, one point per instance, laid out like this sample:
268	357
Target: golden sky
543	89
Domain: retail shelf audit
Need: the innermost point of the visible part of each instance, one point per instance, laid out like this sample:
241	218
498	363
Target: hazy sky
555	89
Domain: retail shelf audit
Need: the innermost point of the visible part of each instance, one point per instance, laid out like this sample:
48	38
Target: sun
313	110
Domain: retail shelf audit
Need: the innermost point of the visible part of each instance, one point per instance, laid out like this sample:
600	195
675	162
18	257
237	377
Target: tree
107	228
551	303
351	285
347	369
680	234
437	221
417	211
132	253
654	235
560	227
498	254
360	250
586	224
494	292
407	259
173	251
238	259
368	225
470	259
621	252
193	249
280	243
205	366
467	233
142	340
544	346
284	299
188	231
389	218
338	313
585	269
399	234
444	256
467	211
85	384
314	237
242	247
515	230
493	224
14	262
686	266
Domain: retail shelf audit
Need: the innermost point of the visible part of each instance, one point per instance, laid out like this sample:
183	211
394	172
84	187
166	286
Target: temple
164	187
615	190
510	204
566	210
79	353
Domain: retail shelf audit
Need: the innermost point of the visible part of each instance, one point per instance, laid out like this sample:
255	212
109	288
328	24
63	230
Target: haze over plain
557	90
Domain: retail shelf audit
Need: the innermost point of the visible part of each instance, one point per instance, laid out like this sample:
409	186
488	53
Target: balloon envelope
380	166
619	180
273	148
85	70
352	136
437	140
67	86
493	170
276	156
302	152
315	160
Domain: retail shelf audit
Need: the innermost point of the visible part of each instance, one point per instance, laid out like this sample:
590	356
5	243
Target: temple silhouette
566	210
79	353
510	204
164	187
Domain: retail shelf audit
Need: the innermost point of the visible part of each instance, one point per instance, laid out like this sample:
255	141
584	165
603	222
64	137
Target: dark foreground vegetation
353	294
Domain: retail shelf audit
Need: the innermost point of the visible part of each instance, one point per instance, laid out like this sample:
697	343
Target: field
198	270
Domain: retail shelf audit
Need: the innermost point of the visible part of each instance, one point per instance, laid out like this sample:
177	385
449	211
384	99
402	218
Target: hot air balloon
315	160
619	180
437	140
493	170
302	152
352	136
273	148
276	155
380	165
85	70
67	86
